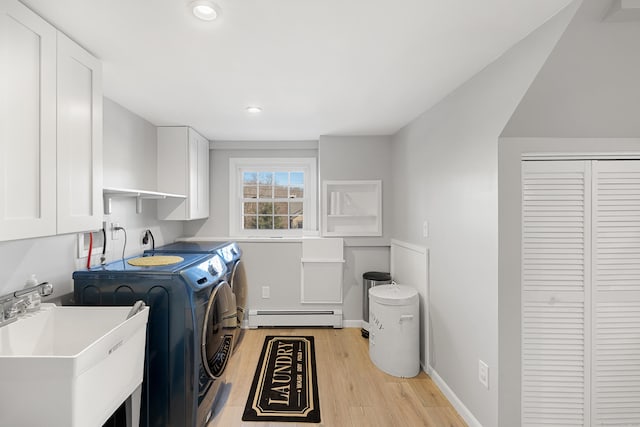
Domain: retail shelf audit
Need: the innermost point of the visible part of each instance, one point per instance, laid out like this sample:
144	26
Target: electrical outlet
144	239
265	292
83	244
425	228
114	232
483	373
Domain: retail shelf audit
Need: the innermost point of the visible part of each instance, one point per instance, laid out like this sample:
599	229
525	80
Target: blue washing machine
191	330
236	276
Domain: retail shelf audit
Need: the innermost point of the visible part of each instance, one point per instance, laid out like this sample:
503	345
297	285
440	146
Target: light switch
483	373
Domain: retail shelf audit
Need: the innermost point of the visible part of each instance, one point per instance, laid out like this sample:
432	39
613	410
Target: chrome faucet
44	289
21	301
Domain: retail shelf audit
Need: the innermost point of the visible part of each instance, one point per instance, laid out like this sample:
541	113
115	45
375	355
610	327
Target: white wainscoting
410	266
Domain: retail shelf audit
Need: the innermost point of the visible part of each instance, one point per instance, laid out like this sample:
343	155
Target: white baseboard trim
352	323
345	324
465	413
270	318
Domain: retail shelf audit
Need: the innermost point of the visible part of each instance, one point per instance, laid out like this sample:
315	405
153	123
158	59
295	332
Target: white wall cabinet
183	168
79	141
352	208
581	293
27	123
50	129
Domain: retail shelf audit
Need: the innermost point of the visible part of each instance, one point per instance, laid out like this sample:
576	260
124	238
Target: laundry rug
285	386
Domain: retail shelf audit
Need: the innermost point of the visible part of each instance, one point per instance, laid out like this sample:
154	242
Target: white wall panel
410	266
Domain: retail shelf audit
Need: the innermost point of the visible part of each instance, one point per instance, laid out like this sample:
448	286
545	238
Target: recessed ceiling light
204	9
254	110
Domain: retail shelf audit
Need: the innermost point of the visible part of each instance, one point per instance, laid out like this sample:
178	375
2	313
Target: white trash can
394	329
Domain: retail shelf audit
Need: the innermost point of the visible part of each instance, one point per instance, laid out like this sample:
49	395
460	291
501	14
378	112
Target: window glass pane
265	208
295	222
249	185
295	208
281	191
265	222
265	184
249	178
282	179
249	223
250	208
281	208
281	222
297	184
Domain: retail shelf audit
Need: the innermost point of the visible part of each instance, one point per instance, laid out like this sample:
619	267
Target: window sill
348	241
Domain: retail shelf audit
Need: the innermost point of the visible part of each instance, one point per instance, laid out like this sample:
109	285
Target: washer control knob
212	269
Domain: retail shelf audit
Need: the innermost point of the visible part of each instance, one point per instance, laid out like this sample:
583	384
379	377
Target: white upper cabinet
79	138
27	123
50	129
183	168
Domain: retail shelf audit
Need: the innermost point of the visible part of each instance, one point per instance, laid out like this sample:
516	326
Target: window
272	197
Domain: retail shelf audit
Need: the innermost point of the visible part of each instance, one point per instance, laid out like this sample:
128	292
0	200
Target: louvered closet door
616	293
556	255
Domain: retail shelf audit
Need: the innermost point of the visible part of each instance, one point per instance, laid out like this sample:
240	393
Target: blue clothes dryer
236	276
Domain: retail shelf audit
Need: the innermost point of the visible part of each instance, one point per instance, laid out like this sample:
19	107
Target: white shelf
352	216
352	208
109	193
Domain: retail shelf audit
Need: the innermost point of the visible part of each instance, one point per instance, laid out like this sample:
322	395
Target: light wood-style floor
353	392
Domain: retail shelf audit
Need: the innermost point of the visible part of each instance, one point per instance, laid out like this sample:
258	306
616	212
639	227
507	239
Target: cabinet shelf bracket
109	193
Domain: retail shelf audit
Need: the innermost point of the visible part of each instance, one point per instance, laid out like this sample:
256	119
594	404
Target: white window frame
238	165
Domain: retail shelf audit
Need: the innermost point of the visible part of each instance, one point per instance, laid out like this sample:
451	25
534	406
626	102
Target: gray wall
360	158
128	161
445	167
589	86
130	149
338	158
217	225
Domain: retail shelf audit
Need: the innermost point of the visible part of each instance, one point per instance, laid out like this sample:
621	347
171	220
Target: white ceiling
321	67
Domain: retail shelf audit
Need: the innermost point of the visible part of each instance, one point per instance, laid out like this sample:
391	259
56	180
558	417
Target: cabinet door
27	123
173	163
79	138
192	174
199	174
183	168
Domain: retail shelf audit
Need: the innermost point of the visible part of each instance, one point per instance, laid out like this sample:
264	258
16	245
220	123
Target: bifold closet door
616	293
556	257
581	293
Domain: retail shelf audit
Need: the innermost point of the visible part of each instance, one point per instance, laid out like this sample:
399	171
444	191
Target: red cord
90	247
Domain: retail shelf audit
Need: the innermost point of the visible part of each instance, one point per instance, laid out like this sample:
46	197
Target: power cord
103	257
145	239
125	239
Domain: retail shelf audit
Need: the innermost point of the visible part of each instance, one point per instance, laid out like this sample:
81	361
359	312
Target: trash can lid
393	294
376	275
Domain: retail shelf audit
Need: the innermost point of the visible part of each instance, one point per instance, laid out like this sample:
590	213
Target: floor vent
258	318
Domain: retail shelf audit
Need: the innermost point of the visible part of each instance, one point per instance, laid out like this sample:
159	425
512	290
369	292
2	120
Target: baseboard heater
258	318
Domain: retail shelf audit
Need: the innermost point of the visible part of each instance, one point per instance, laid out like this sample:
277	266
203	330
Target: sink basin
70	366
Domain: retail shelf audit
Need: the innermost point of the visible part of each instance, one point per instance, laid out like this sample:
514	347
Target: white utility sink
70	366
